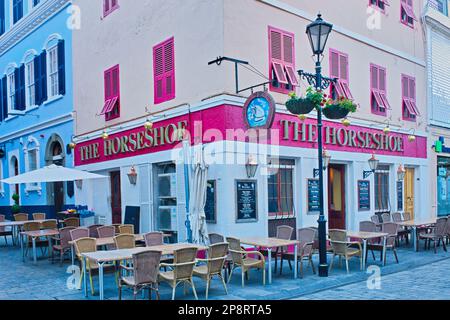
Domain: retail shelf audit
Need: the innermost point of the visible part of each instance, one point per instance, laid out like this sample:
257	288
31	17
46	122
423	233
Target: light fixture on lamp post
132	176
326	159
373	164
401	172
251	167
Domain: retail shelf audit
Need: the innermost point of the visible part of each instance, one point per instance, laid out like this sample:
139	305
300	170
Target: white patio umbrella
52	173
197	198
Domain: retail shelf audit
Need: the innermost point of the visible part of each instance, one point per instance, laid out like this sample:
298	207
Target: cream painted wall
246	37
126	37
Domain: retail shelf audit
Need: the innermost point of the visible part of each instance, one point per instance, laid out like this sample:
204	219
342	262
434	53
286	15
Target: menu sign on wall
399	196
364	195
313	196
246	200
210	206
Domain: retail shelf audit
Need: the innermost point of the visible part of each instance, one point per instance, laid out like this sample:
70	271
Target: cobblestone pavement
418	275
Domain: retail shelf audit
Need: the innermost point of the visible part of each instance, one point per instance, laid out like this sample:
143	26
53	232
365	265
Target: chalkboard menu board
313	196
364	195
399	196
210	206
246	200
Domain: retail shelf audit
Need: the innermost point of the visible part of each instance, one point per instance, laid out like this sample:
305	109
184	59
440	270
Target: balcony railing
439	5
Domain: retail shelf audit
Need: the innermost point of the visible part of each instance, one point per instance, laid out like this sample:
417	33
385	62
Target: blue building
36	101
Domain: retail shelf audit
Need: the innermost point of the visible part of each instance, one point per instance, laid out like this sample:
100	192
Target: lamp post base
323	270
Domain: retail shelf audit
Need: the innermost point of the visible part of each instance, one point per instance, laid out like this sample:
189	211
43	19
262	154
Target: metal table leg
33	239
269	254
100	276
21	247
72	254
295	261
364	253
50	247
84	262
384	250
414	238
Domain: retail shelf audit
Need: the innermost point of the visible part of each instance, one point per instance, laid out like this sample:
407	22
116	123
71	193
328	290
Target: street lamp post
318	33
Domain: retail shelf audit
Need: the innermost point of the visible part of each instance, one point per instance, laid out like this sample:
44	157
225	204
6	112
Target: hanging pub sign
259	111
313	196
246	201
364	195
399	196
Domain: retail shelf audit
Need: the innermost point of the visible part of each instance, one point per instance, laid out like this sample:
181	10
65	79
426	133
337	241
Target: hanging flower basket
300	105
335	112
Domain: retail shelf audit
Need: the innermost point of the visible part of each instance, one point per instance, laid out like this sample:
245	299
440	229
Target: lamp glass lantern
251	167
401	172
318	33
326	158
132	176
373	163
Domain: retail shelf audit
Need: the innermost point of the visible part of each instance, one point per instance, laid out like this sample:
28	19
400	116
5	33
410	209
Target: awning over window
409	11
279	73
109	106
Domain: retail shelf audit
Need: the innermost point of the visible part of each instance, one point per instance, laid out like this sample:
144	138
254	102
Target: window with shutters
111	107
379	4
2	17
52	67
164	71
30	84
407	15
17	11
409	106
282	73
281	189
109	6
382	203
339	69
378	90
11	91
31	152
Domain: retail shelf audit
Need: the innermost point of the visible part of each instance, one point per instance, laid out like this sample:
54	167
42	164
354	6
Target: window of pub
382	189
443	187
281	190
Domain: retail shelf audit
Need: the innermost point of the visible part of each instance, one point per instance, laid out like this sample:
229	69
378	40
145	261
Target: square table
414	224
34	235
269	244
15	225
365	236
102	257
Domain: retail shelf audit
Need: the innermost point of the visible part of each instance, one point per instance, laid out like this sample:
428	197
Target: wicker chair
63	247
344	248
126	229
106	232
78	233
85	245
241	260
402	231
39	216
447	231
117	228
217	254
284	233
391	228
145	272
5	233
386	217
306	237
182	270
93	232
49	225
375	219
437	234
406	216
215	238
72	222
40	242
372	244
316	242
153	239
21	217
125	241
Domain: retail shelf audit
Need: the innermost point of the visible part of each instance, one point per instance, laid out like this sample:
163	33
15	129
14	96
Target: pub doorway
116	197
336	197
409	191
55	156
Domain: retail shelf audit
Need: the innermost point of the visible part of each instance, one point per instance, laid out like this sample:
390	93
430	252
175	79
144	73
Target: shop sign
313	195
259	111
246	200
439	146
364	195
399	195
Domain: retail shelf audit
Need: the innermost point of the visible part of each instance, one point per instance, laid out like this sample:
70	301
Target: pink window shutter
169	69
289	60
276	56
158	67
164	71
106	6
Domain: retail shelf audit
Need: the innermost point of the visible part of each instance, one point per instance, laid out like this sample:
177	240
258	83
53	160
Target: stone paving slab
47	281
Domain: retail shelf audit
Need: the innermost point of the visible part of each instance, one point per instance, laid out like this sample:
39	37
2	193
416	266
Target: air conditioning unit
167	185
167	218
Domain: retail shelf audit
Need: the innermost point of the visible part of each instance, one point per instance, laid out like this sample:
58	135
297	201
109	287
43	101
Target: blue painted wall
52	111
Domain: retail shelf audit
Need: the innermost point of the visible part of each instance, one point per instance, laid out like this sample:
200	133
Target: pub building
257	178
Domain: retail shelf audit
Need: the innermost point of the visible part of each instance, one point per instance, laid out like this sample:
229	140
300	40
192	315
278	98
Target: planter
335	112
300	106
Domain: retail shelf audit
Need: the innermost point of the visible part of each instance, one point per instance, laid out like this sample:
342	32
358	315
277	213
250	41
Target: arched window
55	66
11	86
30	87
32	161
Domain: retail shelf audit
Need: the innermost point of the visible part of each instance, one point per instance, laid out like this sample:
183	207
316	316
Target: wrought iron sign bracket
312	79
367	174
237	62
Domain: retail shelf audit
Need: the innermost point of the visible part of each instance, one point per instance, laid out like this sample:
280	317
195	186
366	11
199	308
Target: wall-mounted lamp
373	164
132	176
326	159
79	184
105	135
412	135
387	129
251	167
401	173
148	124
346	122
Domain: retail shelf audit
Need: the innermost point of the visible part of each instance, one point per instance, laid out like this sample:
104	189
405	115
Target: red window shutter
106	6
164	71
288	47
334	64
374	77
169	69
108	85
343	67
276	45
